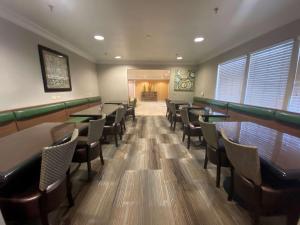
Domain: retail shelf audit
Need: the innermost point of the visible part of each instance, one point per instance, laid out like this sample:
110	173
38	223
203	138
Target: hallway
150	108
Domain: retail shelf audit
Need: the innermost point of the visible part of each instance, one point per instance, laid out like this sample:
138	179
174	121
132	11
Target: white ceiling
172	24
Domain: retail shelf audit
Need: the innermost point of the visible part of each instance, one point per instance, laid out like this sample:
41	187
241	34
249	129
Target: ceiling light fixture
99	37
198	39
179	57
118	57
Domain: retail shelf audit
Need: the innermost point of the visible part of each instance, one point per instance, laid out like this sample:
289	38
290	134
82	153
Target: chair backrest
56	161
95	130
119	115
185	116
172	108
210	134
244	159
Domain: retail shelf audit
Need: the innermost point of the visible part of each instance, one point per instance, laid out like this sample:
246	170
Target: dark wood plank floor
152	179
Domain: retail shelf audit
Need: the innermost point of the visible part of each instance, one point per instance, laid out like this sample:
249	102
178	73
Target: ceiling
155	31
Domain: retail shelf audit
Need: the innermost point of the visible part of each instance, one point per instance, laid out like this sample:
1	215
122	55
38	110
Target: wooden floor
152	179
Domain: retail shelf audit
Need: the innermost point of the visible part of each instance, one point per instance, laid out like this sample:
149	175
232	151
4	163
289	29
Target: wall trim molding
29	25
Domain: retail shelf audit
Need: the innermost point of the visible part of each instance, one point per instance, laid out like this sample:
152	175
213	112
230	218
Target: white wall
112	80
20	71
207	72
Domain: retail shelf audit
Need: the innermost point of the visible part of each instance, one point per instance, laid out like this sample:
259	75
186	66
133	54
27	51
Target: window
294	105
268	75
230	80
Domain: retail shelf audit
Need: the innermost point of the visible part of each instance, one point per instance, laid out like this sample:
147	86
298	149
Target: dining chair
215	151
115	127
168	108
175	116
259	193
123	120
189	128
2	222
131	109
89	147
47	193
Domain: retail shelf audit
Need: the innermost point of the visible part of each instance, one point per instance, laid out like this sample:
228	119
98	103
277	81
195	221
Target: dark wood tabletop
179	102
117	102
206	115
279	152
24	147
95	111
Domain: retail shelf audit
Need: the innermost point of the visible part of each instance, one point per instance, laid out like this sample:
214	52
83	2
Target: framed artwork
184	80
55	70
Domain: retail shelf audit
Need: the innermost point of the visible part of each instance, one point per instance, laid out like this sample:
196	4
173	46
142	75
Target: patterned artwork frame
184	80
55	70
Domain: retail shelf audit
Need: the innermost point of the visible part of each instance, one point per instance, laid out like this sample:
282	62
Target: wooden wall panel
8	128
75	109
160	86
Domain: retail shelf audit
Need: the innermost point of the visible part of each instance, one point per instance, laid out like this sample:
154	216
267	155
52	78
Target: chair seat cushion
80	154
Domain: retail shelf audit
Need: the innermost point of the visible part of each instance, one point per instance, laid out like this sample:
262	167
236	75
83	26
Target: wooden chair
175	116
189	129
89	147
115	128
260	194
45	195
215	151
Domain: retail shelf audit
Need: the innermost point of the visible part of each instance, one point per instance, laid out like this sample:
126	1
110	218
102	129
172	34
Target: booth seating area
283	121
19	119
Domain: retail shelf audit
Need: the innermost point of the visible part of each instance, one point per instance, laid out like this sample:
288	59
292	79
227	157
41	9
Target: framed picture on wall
184	80
55	70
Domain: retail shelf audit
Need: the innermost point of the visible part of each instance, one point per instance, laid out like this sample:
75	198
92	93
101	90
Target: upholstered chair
115	128
131	109
215	151
89	147
189	128
44	196
260	194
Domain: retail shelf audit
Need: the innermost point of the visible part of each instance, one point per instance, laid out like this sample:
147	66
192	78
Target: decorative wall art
55	70
184	80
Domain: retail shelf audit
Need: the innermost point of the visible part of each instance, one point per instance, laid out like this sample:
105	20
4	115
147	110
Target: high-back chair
115	128
215	151
131	109
189	128
167	105
175	116
123	120
259	195
54	184
89	147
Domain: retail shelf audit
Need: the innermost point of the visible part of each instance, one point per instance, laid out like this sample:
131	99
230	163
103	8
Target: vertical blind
294	105
230	80
268	75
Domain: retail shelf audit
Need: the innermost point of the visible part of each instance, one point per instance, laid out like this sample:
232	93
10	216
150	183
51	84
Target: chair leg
218	178
205	159
101	155
174	128
189	141
89	168
44	217
116	139
69	189
256	218
231	188
183	136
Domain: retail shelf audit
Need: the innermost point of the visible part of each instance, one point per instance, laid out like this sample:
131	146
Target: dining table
97	111
279	152
21	151
206	115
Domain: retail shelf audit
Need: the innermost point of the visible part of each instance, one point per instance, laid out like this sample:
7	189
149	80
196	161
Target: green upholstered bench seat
218	103
73	103
78	119
201	100
6	117
38	111
288	118
94	99
259	112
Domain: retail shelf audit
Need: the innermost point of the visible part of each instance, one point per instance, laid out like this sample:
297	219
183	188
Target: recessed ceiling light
179	57
99	37
118	57
199	39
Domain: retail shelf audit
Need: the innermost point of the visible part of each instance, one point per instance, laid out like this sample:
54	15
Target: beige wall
207	72
20	72
112	80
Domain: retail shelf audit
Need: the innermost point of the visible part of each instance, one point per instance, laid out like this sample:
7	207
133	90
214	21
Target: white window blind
230	80
294	105
268	75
